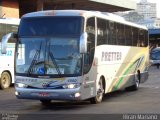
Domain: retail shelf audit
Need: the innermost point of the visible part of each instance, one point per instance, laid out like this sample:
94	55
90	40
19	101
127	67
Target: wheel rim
5	81
100	91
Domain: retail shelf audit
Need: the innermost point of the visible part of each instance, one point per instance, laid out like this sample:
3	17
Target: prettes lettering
111	56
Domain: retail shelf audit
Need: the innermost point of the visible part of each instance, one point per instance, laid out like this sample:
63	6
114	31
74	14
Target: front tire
100	93
5	80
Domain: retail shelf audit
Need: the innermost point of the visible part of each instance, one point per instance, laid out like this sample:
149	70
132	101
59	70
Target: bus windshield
44	48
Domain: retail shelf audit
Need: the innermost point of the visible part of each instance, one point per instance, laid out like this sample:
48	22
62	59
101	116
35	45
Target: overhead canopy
154	31
98	5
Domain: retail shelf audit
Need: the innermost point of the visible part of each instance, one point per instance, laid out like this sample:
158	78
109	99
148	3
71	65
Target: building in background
145	14
151	23
133	17
9	8
147	9
17	8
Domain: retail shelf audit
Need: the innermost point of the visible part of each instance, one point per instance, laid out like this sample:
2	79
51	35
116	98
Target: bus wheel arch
5	80
137	80
100	91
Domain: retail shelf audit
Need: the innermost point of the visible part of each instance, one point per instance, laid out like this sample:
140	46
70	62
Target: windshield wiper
55	63
34	59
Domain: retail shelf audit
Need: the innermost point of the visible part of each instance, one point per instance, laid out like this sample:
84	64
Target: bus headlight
21	85
71	86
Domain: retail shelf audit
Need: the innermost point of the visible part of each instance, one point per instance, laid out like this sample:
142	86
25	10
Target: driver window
88	58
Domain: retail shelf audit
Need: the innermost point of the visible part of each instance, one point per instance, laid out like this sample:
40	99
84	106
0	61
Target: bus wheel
100	93
136	85
5	80
45	102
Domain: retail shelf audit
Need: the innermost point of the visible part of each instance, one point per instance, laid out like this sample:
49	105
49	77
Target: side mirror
83	43
4	42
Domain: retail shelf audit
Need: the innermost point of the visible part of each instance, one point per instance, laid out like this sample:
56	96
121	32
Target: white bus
7	25
78	55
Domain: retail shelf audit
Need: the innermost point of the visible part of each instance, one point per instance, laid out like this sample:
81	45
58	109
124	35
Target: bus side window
120	34
2	30
112	33
142	38
146	38
11	28
128	35
135	36
102	32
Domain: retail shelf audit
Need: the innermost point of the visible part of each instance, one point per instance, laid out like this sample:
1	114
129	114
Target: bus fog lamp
71	86
17	93
77	95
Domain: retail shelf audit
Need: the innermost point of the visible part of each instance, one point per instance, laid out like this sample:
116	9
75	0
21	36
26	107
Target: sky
153	1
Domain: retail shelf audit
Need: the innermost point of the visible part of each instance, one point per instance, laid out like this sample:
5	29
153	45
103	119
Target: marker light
21	85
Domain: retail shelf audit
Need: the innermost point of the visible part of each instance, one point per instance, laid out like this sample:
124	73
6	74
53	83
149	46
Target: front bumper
154	62
48	94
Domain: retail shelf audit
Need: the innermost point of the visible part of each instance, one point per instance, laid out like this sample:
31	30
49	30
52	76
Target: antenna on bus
3	16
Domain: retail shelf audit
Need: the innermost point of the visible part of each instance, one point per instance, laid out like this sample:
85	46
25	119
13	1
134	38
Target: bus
77	55
155	56
7	25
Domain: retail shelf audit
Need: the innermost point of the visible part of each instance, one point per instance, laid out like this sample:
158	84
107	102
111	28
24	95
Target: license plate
44	94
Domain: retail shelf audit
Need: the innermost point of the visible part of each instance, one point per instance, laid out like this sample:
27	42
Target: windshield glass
54	56
155	55
54	51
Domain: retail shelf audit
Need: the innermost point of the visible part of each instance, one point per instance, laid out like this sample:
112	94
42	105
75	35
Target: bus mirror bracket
5	40
83	43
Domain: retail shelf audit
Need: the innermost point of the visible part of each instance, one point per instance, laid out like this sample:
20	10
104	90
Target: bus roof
104	15
14	21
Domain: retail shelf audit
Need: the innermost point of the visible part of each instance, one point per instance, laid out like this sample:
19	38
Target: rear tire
5	80
136	85
100	93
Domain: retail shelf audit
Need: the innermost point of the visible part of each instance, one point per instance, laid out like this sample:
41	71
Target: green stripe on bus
127	71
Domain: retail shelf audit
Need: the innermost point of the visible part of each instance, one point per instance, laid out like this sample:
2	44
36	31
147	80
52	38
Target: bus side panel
88	88
120	65
7	61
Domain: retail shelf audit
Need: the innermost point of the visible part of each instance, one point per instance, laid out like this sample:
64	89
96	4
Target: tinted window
49	26
128	34
11	28
112	33
88	57
135	36
143	38
120	34
155	55
7	28
102	31
146	38
2	30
